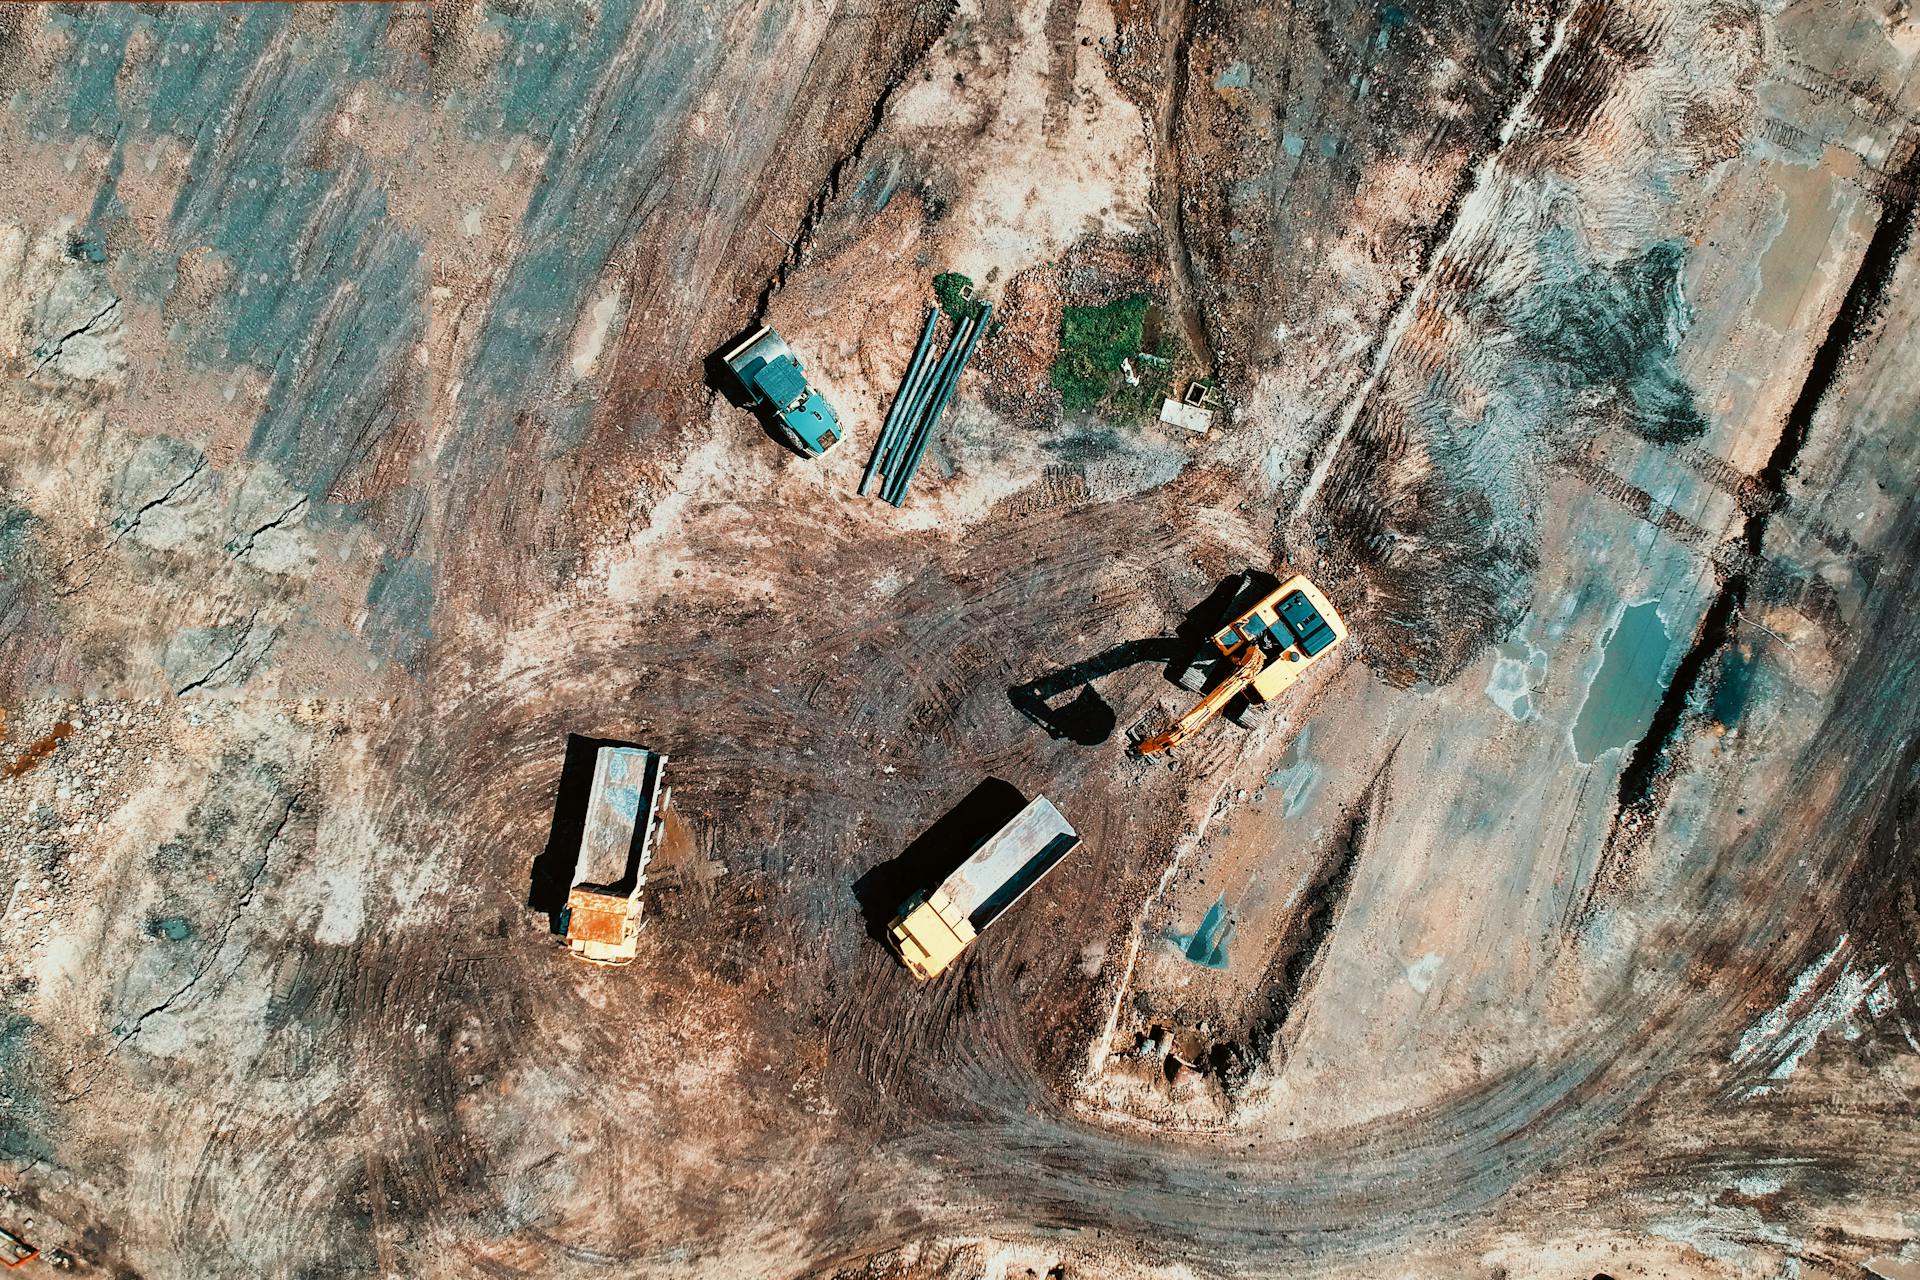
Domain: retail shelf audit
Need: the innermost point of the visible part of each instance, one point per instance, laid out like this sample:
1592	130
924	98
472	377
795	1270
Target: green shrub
1081	385
1141	403
1094	341
946	287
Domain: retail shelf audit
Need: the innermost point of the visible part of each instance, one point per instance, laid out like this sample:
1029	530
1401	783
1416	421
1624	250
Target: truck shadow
933	856
1087	718
552	873
721	378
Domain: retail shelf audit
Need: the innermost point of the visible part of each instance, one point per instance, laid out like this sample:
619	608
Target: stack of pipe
914	442
916	410
909	388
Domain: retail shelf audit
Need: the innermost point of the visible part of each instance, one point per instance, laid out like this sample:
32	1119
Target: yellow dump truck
932	929
15	1252
1263	650
625	811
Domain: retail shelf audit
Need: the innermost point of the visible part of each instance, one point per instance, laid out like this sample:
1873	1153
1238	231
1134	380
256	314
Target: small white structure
1191	416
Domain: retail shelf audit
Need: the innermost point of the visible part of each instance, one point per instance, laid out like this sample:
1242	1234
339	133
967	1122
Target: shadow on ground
1086	718
552	872
720	377
933	857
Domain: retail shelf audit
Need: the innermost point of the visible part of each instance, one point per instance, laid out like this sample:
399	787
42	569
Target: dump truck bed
624	811
625	800
761	347
932	930
1010	863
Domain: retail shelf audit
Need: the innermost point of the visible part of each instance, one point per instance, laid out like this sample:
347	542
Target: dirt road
359	460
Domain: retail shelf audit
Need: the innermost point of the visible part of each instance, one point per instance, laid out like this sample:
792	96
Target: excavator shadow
1087	718
934	856
552	872
1235	593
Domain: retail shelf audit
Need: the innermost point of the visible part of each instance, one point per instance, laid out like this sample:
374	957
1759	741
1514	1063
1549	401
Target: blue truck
772	380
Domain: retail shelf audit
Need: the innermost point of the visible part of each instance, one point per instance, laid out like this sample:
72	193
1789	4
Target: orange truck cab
15	1252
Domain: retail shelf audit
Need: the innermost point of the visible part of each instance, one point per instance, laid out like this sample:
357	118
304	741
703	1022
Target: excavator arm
1247	663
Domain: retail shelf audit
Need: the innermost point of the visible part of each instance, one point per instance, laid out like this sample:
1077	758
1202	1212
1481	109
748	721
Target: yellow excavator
1264	650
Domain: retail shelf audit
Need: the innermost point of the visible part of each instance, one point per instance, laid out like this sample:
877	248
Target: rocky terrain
358	453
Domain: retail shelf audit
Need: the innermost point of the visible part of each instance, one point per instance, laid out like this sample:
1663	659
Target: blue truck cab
771	379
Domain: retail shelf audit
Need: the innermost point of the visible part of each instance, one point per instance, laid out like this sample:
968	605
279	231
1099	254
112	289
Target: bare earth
356	450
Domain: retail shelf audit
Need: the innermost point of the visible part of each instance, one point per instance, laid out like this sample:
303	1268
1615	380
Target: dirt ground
357	456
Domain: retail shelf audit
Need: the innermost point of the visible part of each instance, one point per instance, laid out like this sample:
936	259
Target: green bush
946	287
1081	385
1094	341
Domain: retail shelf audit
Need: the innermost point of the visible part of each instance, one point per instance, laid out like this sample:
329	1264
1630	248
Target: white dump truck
625	812
932	929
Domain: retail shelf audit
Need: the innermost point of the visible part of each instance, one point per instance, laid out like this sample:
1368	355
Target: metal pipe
911	402
914	421
914	368
939	407
910	417
900	470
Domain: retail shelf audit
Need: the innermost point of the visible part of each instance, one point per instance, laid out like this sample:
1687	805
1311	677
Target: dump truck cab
625	811
772	380
930	933
933	927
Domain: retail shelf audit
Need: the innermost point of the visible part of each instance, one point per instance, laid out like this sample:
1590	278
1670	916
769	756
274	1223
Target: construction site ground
361	468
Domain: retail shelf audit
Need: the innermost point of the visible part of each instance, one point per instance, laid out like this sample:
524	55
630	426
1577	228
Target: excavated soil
359	469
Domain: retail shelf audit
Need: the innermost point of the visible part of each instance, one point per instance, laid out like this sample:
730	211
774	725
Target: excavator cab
1304	626
1263	651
